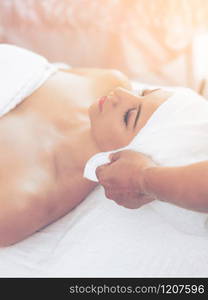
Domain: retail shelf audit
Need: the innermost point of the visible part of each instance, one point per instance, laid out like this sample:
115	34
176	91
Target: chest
34	162
62	95
34	158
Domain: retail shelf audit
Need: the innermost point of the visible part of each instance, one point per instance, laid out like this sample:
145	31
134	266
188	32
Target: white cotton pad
95	161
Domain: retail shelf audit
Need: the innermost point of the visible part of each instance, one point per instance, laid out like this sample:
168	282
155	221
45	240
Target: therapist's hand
124	178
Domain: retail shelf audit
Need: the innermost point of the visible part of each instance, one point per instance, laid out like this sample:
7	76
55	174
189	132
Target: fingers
99	173
116	196
127	200
115	156
120	154
103	174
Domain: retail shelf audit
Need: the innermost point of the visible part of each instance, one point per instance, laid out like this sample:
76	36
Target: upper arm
21	212
111	77
92	72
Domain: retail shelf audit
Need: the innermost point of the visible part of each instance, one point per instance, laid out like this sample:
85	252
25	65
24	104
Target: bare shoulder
109	80
116	77
98	72
103	80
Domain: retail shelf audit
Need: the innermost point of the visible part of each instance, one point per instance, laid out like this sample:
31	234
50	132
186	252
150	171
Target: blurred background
152	41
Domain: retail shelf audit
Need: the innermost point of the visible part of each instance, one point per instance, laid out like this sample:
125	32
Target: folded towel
176	134
21	73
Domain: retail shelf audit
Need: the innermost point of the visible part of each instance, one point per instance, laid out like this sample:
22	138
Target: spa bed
101	239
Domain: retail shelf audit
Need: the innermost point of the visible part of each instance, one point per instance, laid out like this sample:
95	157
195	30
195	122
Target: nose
113	98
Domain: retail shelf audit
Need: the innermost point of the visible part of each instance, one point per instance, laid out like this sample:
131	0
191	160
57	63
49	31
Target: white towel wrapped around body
21	73
176	134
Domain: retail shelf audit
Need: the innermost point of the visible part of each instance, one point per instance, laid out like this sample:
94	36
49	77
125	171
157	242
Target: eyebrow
137	116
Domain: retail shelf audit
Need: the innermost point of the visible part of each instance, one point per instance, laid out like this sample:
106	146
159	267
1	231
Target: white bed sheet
101	239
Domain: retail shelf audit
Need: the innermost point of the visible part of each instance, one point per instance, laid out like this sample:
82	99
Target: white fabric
152	41
102	239
176	134
21	73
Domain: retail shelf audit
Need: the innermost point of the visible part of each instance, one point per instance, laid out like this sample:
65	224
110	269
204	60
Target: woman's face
118	117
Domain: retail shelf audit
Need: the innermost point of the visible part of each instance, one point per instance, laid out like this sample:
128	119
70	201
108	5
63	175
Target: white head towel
176	134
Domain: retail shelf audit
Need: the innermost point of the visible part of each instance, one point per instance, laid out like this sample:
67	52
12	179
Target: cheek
114	136
92	112
108	131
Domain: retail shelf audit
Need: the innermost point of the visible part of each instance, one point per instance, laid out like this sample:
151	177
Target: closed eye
137	116
126	115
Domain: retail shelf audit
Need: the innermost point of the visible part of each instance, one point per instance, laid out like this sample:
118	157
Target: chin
90	109
106	148
90	113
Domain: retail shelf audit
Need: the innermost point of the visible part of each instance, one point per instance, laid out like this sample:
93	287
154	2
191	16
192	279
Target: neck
84	146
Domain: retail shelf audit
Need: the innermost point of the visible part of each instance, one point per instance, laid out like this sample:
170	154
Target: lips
101	102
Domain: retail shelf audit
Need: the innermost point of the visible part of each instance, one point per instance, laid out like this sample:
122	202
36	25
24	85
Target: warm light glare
149	40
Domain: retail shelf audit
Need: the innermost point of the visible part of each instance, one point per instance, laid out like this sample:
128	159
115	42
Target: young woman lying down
49	135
